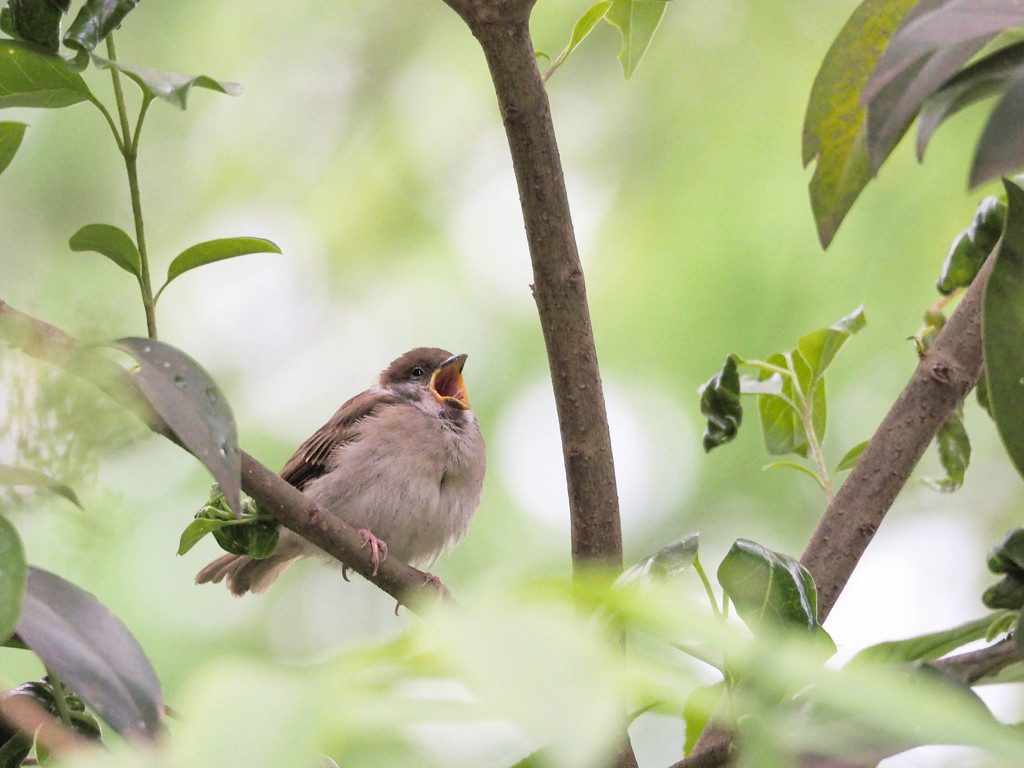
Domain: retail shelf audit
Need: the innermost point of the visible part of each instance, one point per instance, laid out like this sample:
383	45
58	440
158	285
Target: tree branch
288	505
502	28
946	373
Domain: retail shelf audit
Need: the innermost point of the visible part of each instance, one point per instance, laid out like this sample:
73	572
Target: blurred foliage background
367	144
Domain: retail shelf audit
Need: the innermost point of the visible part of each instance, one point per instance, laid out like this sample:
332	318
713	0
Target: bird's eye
418	372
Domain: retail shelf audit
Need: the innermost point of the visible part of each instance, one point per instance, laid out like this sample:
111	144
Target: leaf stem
813	444
59	697
707	588
129	150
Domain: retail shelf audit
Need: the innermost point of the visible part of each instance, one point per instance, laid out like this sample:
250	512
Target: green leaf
172	87
768	588
637	21
924	647
37	21
819	348
961	265
11	135
667	563
253	533
1003	330
781	420
794	465
849	461
999	149
720	405
954	454
10	475
87	647
95	20
1008	555
110	241
835	123
30	78
195	531
584	25
215	250
697	711
1007	593
188	399
13	577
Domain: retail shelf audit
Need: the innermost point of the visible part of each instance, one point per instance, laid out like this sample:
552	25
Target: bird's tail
245	574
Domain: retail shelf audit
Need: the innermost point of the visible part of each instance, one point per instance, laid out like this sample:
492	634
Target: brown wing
310	460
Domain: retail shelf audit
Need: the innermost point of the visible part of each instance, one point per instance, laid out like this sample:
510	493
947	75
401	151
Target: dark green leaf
30	78
835	124
37	21
11	135
1003	330
961	265
255	538
1001	146
96	20
697	711
637	21
172	87
849	461
1018	636
23	476
768	588
984	78
819	348
924	647
88	648
954	454
188	399
1008	555
13	575
720	405
112	242
1007	593
667	563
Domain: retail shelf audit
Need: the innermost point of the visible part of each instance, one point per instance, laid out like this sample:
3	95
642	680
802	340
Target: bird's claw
378	547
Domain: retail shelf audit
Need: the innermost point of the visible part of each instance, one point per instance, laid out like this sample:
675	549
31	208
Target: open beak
447	384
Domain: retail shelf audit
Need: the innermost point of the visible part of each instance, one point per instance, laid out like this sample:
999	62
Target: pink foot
378	547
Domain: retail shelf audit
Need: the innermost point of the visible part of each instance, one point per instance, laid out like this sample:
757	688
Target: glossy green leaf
37	21
768	588
195	531
87	647
95	20
819	348
637	21
11	135
110	241
667	563
30	78
720	405
986	77
961	265
13	576
954	454
188	399
924	647
10	475
172	87
835	123
215	250
850	458
1003	331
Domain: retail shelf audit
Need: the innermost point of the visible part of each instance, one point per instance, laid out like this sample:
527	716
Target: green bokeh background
368	146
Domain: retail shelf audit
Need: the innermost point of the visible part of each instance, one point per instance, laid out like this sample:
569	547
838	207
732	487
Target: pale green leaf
30	78
13	577
820	347
10	140
110	241
172	87
215	250
849	460
637	21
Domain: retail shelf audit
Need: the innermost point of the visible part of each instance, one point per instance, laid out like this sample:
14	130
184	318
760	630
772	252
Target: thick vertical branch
502	28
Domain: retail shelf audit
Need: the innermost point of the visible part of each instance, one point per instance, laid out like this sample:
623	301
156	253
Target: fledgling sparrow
403	462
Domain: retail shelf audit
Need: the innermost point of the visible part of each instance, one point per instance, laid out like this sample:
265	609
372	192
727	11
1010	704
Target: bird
402	462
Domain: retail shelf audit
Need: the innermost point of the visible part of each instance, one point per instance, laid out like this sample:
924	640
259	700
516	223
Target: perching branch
947	372
502	28
288	505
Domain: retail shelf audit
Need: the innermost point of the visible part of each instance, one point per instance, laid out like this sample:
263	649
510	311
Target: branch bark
502	29
287	504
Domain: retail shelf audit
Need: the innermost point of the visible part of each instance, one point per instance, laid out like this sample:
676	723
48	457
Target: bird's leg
378	547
